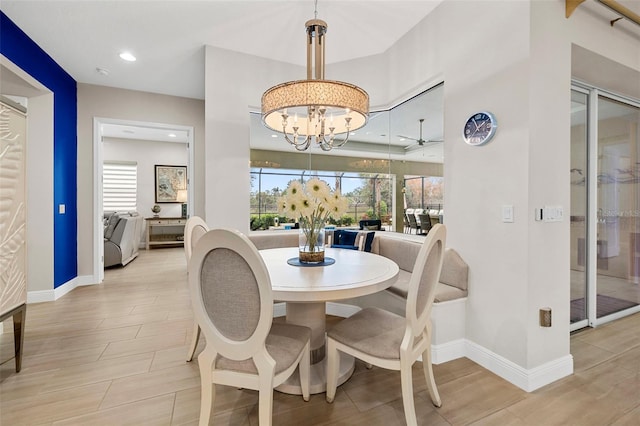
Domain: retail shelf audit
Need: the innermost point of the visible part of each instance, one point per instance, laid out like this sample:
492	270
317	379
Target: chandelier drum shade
315	109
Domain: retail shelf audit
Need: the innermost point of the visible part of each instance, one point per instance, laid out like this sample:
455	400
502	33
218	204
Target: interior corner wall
234	83
29	57
121	104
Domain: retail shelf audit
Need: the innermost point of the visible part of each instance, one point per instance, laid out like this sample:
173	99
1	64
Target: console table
165	231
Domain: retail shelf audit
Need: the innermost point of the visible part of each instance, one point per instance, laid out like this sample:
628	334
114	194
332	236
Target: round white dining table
306	289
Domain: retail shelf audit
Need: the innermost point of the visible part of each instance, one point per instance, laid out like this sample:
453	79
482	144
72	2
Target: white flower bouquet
312	204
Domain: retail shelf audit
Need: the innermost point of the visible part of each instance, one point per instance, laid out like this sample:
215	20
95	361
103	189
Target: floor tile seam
42	353
55	371
28	398
616	352
137	399
497	410
132	354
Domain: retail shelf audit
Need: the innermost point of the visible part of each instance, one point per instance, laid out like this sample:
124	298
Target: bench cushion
446	292
401	286
455	271
274	239
403	252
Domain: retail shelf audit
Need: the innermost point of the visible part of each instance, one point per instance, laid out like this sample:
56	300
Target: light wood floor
113	354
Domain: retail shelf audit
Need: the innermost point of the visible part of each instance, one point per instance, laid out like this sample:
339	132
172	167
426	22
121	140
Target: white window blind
119	186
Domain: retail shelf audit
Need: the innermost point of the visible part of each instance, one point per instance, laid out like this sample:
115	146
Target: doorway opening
147	144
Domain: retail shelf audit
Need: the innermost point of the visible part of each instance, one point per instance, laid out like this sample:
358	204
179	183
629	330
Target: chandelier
315	109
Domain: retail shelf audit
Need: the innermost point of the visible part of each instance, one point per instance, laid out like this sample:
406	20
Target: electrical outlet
545	317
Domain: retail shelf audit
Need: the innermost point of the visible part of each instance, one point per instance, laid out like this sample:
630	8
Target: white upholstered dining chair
193	231
390	341
233	303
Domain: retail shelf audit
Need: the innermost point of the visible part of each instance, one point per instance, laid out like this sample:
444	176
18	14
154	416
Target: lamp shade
181	196
295	97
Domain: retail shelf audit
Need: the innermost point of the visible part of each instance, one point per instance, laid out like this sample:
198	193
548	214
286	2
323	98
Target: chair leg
407	395
428	375
304	367
194	341
265	400
18	335
333	364
207	388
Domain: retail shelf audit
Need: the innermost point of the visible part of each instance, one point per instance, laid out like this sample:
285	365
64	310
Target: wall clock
479	128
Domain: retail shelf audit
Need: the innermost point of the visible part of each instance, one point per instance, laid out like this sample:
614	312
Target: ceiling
168	39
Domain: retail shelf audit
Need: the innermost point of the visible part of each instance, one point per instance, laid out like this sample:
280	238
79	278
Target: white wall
148	154
511	58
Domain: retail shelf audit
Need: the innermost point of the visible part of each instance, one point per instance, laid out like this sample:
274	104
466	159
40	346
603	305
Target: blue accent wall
16	46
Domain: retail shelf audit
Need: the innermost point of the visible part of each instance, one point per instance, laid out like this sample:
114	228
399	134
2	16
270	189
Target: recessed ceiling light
172	135
274	136
402	139
127	56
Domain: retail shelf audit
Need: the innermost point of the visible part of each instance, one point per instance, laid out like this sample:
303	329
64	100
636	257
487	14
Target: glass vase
311	245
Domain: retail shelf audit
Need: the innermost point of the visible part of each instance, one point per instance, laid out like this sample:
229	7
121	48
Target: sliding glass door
618	206
605	207
579	217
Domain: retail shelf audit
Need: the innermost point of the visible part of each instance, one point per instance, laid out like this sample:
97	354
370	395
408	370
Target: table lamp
181	197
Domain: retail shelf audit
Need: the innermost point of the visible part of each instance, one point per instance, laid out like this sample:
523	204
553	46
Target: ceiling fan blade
412	147
407	137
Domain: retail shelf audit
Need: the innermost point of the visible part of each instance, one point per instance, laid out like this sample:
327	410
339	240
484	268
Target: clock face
479	128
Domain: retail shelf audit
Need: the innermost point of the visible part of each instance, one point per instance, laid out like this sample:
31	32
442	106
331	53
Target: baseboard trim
52	295
527	380
86	280
448	351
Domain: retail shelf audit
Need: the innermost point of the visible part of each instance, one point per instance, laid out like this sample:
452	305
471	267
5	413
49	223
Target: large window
424	192
119	186
369	194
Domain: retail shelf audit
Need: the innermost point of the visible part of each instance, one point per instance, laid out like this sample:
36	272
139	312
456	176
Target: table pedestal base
318	377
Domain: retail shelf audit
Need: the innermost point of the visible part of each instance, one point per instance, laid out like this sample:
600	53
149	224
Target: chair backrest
424	279
231	293
425	222
193	231
371	224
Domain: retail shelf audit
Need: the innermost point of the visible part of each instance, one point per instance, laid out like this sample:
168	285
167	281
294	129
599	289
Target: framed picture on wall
169	180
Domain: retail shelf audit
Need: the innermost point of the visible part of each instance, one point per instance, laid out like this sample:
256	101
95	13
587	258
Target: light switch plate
507	213
62	208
